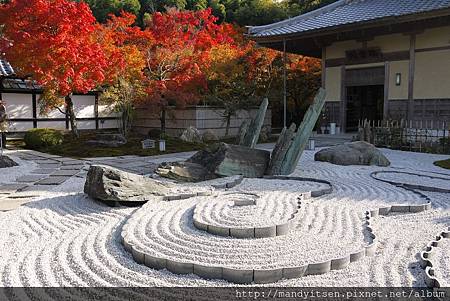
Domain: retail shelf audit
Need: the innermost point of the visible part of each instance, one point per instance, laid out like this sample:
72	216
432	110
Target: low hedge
41	138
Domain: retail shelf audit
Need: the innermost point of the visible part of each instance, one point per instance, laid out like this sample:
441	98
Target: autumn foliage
179	58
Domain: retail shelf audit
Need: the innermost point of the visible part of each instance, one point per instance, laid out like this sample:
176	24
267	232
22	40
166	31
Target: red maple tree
178	56
52	41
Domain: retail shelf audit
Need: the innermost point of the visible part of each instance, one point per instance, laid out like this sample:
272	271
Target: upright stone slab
243	131
300	141
280	150
252	134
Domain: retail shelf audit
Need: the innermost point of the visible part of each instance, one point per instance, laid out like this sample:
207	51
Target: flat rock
109	184
355	153
6	162
11	187
44	171
30	178
57	180
67	173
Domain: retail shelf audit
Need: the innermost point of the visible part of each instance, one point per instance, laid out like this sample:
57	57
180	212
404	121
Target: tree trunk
163	120
72	117
227	129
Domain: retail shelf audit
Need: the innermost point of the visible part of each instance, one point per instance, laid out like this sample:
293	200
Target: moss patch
79	148
444	164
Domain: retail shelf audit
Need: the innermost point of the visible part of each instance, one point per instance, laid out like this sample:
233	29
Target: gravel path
62	238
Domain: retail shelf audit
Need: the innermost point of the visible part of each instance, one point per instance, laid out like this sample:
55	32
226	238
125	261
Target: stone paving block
242	233
265	232
40	162
267	276
238	276
11	187
399	208
282	229
155	262
208	272
64	173
371	249
384	210
295	272
75	162
127	246
49	166
200	225
30	178
357	255
138	255
11	204
340	263
417	208
179	267
318	268
72	167
57	180
43	171
221	231
374	213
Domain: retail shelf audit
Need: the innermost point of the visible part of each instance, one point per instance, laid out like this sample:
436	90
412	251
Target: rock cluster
355	153
218	160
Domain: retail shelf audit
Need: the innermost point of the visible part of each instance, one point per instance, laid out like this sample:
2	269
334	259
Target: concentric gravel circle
165	233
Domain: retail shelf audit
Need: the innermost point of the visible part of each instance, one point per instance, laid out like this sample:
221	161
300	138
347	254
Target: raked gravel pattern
63	238
441	262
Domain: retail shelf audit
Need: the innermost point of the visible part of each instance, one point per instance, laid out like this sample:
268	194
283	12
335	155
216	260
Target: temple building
381	59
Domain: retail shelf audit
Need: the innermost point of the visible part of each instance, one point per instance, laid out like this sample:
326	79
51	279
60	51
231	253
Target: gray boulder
6	161
185	172
355	153
113	186
191	134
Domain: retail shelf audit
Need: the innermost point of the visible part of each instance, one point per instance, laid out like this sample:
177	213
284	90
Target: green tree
102	8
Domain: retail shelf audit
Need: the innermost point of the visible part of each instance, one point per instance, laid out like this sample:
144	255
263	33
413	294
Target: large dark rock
6	162
355	153
225	159
218	160
111	185
185	171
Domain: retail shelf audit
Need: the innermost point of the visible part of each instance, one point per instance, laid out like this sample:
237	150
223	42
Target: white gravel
441	262
63	238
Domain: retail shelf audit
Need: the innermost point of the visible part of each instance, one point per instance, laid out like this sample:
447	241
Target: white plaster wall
18	105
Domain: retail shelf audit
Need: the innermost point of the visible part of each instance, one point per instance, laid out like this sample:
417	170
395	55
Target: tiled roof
19	84
346	12
5	68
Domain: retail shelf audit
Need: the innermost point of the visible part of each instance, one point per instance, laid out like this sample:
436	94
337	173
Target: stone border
315	193
252	232
268	231
426	258
260	276
247	276
230	184
410	186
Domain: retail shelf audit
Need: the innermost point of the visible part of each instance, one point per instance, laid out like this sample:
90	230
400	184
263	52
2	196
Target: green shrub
42	138
154	133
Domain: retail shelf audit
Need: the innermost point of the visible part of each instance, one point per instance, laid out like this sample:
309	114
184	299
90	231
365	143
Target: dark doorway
364	102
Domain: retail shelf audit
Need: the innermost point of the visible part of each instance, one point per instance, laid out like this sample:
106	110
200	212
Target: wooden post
343	110
34	105
324	67
412	67
386	90
96	111
284	85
